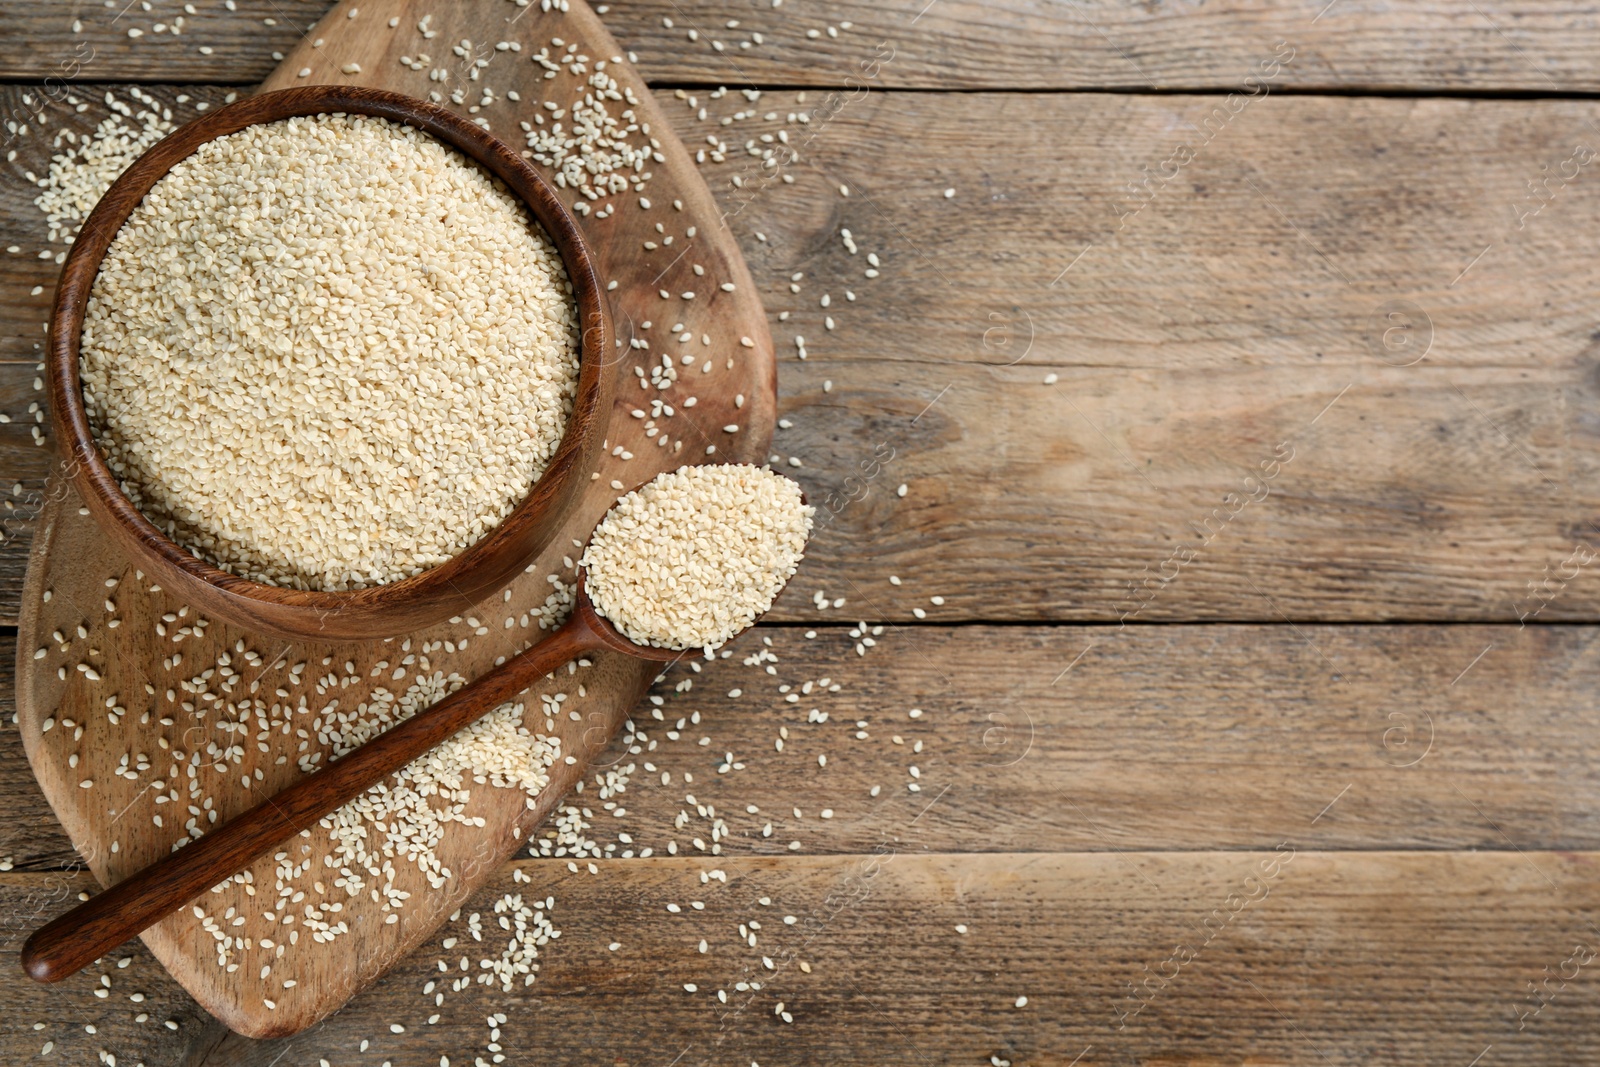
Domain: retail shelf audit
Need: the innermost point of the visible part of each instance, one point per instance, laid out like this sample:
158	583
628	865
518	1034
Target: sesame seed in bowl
329	352
331	360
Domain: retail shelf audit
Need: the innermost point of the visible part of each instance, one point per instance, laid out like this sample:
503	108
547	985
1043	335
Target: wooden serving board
100	649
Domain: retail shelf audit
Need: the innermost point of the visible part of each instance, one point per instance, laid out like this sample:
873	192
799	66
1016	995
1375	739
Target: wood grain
1434	491
1519	45
1170	737
1335	958
143	660
1239	301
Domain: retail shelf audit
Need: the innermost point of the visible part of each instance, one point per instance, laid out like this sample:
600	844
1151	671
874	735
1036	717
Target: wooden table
1244	395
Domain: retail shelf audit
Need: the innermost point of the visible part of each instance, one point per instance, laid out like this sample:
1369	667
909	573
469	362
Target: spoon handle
127	908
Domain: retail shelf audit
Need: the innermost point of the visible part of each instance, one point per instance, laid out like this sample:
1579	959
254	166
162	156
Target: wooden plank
1434	491
1240	429
1284	956
1204	341
1524	45
1168	737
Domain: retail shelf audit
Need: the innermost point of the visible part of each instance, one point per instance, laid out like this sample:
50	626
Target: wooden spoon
126	909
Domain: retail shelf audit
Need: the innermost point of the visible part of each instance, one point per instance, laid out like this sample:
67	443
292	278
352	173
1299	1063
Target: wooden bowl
376	611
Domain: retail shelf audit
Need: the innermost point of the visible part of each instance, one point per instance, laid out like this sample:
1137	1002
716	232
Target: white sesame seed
217	458
696	555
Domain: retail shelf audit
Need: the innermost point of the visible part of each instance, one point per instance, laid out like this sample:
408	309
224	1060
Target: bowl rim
378	610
